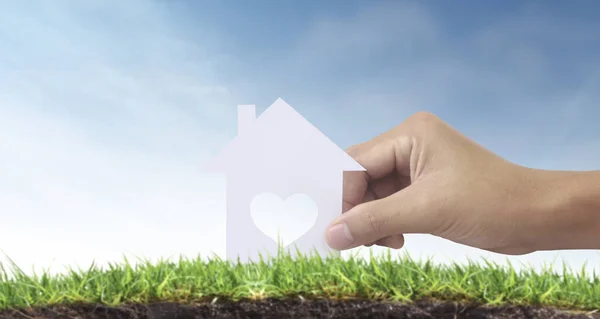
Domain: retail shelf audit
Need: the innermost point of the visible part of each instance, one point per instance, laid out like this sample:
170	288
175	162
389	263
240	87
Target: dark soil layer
280	309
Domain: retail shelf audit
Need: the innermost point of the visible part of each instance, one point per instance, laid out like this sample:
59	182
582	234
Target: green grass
383	278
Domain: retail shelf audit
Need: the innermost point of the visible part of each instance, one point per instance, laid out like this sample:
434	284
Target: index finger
378	157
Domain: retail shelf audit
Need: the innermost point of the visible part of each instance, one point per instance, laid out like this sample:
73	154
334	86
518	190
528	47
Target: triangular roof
283	127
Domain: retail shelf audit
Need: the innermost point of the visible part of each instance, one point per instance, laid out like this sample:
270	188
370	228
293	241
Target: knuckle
353	150
423	120
423	124
424	116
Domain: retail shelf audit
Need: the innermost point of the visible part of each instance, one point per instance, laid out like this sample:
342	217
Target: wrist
566	210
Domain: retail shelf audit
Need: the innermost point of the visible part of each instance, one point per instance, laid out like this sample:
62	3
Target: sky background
108	109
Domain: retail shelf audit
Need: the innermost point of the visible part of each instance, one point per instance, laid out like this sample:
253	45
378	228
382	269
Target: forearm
567	212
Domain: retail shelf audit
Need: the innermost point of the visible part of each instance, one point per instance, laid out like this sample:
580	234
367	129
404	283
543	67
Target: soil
279	309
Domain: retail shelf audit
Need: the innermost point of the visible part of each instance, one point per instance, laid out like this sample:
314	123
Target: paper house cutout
279	152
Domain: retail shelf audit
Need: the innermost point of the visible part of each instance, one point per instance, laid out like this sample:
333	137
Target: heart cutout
286	220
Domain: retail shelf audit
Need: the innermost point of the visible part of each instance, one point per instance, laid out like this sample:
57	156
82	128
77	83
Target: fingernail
339	237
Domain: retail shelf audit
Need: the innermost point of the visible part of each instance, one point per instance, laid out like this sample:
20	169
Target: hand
423	176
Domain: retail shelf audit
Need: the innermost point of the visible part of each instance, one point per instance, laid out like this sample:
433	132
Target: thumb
403	212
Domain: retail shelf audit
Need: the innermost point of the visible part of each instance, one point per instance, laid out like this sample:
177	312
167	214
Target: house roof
281	132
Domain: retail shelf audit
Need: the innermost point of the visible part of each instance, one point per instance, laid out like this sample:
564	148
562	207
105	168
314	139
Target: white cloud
99	155
366	32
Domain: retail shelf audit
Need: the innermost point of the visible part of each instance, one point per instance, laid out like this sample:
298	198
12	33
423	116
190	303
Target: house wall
244	239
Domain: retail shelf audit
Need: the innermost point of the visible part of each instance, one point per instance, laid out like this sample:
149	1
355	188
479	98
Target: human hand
423	176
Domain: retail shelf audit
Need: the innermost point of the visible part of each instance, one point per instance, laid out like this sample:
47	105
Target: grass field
380	278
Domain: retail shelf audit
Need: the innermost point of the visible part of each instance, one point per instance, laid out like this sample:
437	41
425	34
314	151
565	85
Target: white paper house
282	153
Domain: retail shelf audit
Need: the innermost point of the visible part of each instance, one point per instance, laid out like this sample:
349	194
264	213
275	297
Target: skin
423	176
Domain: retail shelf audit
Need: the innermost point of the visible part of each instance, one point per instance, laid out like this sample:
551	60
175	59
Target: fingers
380	189
404	212
386	159
355	188
394	242
388	185
379	157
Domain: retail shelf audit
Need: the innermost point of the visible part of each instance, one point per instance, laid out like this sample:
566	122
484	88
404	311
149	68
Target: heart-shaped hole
284	221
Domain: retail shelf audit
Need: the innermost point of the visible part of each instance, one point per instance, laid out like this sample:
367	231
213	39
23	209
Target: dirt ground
279	309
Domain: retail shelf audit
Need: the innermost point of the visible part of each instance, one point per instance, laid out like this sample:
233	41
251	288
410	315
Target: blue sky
109	108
